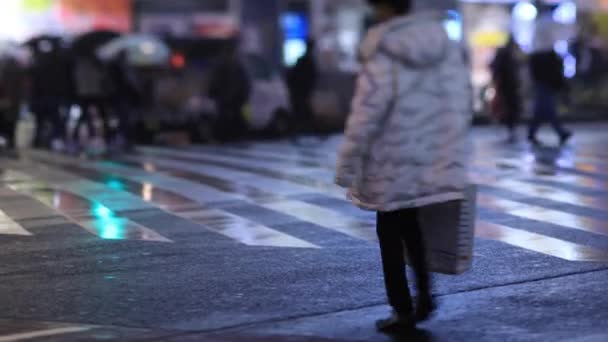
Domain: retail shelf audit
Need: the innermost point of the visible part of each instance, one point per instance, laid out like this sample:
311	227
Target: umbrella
44	44
88	43
140	50
9	49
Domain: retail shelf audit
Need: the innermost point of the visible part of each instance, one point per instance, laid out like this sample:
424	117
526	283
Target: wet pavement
252	241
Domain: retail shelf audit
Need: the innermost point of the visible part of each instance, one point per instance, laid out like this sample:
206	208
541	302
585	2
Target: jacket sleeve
375	90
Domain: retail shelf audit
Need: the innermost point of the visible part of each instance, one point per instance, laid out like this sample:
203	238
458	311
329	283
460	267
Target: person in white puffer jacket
406	141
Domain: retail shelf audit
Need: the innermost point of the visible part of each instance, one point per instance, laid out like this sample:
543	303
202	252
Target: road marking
325	218
278	187
542	214
279	160
239	229
539	243
282	158
10	227
43	333
72	201
539	191
196	191
256	168
541	172
245	231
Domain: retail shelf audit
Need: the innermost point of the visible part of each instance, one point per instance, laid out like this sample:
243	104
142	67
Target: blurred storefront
25	19
488	24
187	18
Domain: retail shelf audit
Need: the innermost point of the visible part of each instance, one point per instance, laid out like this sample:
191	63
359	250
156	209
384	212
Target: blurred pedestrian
547	72
91	86
125	95
587	50
230	89
50	89
12	95
406	143
302	82
506	69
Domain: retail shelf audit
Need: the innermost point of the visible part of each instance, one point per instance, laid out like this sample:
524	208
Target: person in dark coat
91	83
505	73
230	89
125	95
51	88
547	71
12	92
302	81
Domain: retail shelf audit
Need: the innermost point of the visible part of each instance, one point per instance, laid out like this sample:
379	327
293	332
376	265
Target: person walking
302	81
50	87
505	73
91	93
406	143
230	88
12	95
547	72
125	95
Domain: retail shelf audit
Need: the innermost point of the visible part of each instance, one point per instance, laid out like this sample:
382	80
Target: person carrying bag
406	143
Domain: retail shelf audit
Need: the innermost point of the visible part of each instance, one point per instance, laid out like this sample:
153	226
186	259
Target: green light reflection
107	224
115	184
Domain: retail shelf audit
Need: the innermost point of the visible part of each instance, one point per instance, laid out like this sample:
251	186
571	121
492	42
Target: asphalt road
252	241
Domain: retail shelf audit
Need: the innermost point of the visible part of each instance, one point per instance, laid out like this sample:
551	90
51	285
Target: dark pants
8	127
304	113
511	108
48	116
86	117
545	110
396	229
231	123
124	111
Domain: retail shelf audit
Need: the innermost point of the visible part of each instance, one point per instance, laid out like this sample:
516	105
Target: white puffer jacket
406	141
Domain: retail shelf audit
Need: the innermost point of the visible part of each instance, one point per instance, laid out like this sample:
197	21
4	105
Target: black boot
396	323
425	308
563	139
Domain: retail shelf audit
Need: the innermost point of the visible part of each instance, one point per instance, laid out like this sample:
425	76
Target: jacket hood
418	40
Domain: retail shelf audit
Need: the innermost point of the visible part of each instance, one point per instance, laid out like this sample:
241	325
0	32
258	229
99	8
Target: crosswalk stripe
221	156
264	166
521	212
539	173
322	217
285	157
94	217
239	229
545	214
315	171
11	176
256	168
10	227
541	214
207	179
539	191
43	333
325	218
245	231
539	243
582	169
287	148
317	215
277	187
97	215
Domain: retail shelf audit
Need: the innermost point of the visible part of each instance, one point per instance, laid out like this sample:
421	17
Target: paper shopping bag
449	231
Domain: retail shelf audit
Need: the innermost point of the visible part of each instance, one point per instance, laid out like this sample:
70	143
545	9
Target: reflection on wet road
540	243
550	202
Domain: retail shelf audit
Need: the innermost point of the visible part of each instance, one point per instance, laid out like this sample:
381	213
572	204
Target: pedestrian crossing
201	184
